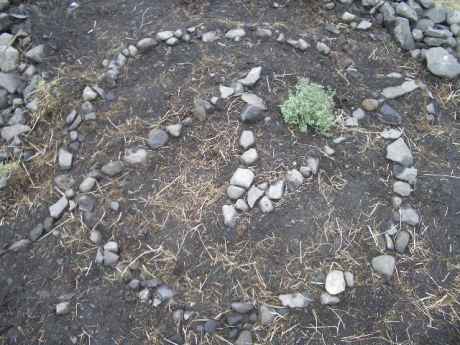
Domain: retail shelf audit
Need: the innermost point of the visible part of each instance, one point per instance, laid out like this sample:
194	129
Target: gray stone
403	34
266	205
254	194
247	139
251	114
249	157
210	36
388	12
426	3
405	174
436	14
172	41
276	190
294	300
364	25
65	159
384	264
396	202
165	293
62	308
294	179
358	114
267	315
87	184
254	100
313	164
424	24
305	171
230	215
241	205
348	17
417	34
245	338
64	182
36	232
19	245
10	82
200	108
439	33
86	203
10	132
404	10
115	205
441	63
327	299
210	326
398	91
6	39
437	42
453	17
242	178
455	29
135	155
335	282
399	152
235	34
391	134
36	54
252	77
3	99
351	122
407	215
323	48
388	242
133	50
402	188
144	295
111	246
349	279
57	209
263	33
157	138
164	35
112	168
110	258
134	284
242	307
225	91
89	94
174	130
9	58
95	236
402	241
234	192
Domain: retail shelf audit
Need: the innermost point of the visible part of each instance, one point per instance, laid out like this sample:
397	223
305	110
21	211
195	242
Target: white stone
249	157
276	190
242	178
335	282
247	139
294	300
252	77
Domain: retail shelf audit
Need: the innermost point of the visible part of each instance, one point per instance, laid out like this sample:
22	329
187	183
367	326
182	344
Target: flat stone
87	184
405	174
402	188
263	33
65	159
112	246
249	157
436	14
251	114
294	300
242	178
112	168
402	241
327	299
10	132
403	33
172	41
391	134
254	194
234	192
335	282
276	190
254	100
247	139
225	91
174	130
294	179
230	215
95	236
157	138
57	209
441	63
252	77
266	205
398	91
404	10
399	152
135	155
384	264
364	25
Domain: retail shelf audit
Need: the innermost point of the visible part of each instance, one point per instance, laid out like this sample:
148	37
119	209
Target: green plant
7	169
309	106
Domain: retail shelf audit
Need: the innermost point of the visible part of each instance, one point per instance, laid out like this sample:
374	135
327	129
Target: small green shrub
309	106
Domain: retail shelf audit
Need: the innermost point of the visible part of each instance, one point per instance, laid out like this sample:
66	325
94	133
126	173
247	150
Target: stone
110	258
252	77
95	236
65	159
358	114
348	17
89	94
242	307
10	132
36	54
403	34
245	338
62	308
402	188
112	168
174	130
439	33
266	205
398	91
327	299
455	29
114	206
86	203
19	245
210	36
242	178
391	134
254	194
247	139
254	100
323	48
263	33
135	155
405	174
313	164
426	3
402	241
157	138
364	25
164	35
441	63
10	82
396	202
230	215
370	104
328	150
87	184
235	34
36	232
210	326
294	179
384	264
404	10
133	50
453	17
417	34
276	190
351	122
399	152
172	41
349	279
388	242
111	246
57	209
335	282
144	295
251	114
294	300
234	192
267	315
64	182
225	91
408	216
305	171
200	108
436	14
249	157
241	205
388	12
9	58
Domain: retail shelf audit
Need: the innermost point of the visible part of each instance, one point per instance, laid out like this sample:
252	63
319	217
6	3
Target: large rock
441	63
403	33
404	10
11	132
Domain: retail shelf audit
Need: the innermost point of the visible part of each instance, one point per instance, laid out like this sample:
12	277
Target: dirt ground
170	208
